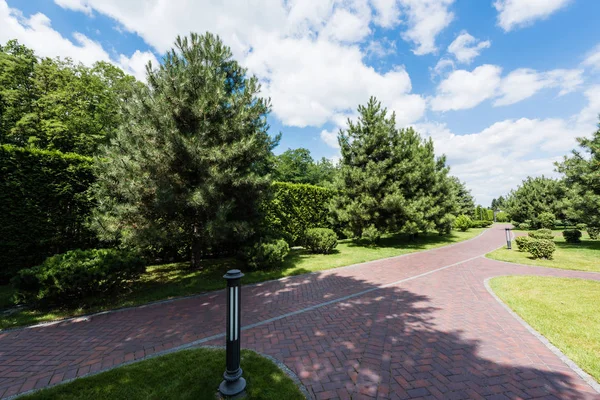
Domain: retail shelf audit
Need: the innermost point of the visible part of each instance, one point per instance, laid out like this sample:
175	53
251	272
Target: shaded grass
175	280
584	256
564	310
189	374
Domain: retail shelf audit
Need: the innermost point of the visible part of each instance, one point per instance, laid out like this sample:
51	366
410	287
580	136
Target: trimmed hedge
572	235
44	201
266	254
69	278
321	240
523	242
542	234
541	248
296	207
481	224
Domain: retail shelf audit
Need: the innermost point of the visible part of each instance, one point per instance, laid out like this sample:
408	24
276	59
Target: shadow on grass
584	244
403	241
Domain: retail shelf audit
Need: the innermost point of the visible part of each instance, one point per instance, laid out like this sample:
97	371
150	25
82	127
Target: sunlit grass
584	256
167	281
564	310
190	374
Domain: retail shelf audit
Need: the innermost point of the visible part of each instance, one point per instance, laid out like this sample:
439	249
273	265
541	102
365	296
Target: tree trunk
196	249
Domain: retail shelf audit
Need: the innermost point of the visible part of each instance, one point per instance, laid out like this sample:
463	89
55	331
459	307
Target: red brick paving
437	336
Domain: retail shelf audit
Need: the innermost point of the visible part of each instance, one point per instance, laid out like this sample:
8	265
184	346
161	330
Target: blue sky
502	86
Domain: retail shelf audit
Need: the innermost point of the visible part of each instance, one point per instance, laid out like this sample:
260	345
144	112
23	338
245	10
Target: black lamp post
507	230
233	383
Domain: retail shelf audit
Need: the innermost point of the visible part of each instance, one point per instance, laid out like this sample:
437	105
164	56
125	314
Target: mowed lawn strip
189	374
564	310
175	280
584	256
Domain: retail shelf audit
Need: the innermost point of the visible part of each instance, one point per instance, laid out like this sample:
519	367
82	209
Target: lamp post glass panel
233	382
508	244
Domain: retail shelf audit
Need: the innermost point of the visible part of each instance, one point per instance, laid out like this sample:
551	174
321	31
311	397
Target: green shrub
296	207
581	227
546	220
593	233
321	240
515	224
45	202
572	235
542	234
69	278
523	242
502	217
541	248
524	226
463	223
267	254
370	234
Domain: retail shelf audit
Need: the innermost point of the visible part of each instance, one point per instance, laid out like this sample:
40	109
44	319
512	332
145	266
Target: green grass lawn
190	374
584	256
564	310
175	280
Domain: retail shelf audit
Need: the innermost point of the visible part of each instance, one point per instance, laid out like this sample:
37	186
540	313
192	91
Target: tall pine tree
190	164
389	178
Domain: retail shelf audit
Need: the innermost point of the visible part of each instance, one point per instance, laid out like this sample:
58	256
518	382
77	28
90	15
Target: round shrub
546	220
541	248
267	254
320	240
593	233
502	217
371	234
572	235
524	226
523	242
541	234
581	226
463	223
69	278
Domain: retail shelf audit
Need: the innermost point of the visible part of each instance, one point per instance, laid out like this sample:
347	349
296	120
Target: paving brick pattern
439	335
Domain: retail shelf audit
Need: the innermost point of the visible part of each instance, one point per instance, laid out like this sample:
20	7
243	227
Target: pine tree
389	179
190	164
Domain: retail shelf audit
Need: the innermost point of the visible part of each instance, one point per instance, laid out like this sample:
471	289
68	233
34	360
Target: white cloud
466	47
442	68
499	157
330	138
387	13
346	26
463	89
592	59
75	5
380	48
136	64
425	19
518	13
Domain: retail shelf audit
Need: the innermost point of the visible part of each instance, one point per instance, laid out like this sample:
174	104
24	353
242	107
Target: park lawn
564	310
168	281
584	256
189	374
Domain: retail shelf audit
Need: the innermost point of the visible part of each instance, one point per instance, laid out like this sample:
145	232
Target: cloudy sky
503	86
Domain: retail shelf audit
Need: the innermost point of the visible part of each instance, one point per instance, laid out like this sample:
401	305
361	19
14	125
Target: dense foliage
73	277
320	240
266	254
593	233
294	208
546	220
523	242
44	201
463	223
572	235
298	166
389	178
190	164
465	204
534	197
541	234
541	248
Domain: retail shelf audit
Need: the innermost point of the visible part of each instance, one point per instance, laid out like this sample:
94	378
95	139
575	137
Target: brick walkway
421	325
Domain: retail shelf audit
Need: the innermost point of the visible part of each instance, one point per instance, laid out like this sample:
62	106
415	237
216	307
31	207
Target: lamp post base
228	388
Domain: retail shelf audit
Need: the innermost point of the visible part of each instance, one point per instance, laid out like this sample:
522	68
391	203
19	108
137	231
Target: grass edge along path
171	281
185	374
548	305
584	256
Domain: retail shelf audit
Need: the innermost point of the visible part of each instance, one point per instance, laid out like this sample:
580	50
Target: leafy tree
298	166
389	179
534	197
190	164
55	104
465	205
582	175
499	203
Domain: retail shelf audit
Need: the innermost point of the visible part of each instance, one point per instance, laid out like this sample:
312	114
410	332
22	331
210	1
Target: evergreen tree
190	164
536	196
465	204
389	179
583	177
